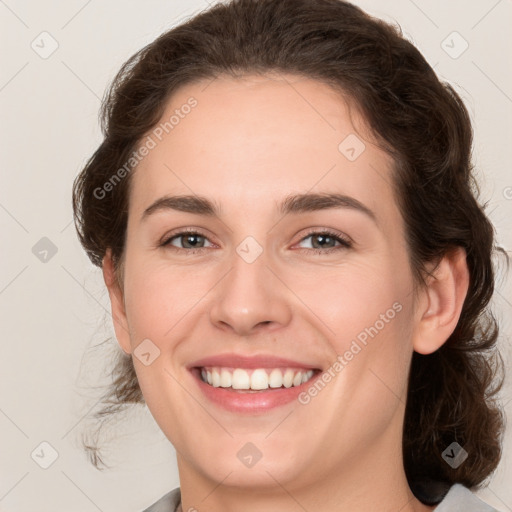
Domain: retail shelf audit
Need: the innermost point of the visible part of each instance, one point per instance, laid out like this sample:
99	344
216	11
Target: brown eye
326	241
186	240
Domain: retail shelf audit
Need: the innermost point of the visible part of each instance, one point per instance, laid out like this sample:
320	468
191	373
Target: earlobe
116	302
442	302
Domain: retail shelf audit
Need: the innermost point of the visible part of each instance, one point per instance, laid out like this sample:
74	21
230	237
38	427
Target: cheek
366	314
343	301
159	296
159	300
349	299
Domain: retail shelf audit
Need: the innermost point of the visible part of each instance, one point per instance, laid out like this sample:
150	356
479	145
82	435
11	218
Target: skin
247	145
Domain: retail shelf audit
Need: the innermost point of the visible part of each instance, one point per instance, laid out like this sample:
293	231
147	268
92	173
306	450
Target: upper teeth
260	378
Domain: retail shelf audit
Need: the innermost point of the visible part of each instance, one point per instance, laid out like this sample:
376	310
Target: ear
116	302
441	302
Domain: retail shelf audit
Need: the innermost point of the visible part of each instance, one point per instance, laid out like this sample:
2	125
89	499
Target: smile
255	379
253	384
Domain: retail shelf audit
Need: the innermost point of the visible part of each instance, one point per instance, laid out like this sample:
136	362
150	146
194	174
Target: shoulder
460	499
167	503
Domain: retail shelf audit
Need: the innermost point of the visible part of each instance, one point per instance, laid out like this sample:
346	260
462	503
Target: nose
251	298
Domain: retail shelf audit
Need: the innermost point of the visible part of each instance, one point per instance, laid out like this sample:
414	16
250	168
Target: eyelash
344	242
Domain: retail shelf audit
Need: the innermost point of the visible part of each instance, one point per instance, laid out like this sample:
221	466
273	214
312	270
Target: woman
298	267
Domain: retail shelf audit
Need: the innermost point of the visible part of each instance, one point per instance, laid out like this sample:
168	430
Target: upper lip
258	361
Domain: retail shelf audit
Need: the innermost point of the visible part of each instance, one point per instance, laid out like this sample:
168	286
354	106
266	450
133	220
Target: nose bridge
250	295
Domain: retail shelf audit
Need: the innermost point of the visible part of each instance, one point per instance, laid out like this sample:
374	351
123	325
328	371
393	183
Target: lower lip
242	401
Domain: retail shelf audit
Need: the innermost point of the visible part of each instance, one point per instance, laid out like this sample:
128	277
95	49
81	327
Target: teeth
288	378
240	379
275	379
257	379
297	380
215	379
225	378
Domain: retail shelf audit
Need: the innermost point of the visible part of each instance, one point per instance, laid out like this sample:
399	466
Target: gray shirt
458	499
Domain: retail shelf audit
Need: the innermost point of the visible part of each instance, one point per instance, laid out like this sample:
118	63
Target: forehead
257	138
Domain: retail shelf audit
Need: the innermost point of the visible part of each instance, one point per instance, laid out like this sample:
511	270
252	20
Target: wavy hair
418	119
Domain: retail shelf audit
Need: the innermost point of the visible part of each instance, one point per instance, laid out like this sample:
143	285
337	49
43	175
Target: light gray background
53	311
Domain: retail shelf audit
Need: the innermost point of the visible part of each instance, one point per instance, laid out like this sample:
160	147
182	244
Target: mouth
252	384
254	380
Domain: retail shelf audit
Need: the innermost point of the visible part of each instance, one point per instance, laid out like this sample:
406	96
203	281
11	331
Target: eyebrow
292	204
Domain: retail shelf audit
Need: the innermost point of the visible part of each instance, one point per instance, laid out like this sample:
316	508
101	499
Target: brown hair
419	120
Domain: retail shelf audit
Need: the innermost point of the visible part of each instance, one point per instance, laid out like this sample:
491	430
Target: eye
186	240
323	241
326	241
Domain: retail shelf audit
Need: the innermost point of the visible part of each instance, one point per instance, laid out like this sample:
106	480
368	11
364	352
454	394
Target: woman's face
260	293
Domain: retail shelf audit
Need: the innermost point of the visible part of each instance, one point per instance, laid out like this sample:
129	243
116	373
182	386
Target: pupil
323	239
191	238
